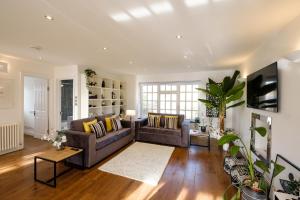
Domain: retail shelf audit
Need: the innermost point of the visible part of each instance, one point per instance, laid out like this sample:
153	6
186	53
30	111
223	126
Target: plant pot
203	129
249	194
225	147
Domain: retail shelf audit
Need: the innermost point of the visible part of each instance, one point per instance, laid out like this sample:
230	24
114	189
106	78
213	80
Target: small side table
196	138
54	157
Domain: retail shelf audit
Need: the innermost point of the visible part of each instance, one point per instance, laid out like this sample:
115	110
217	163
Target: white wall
16	69
285	123
188	76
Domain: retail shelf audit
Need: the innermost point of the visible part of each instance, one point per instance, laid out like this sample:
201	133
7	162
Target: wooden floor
192	173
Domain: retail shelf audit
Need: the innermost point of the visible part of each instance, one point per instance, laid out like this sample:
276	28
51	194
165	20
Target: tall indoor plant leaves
227	94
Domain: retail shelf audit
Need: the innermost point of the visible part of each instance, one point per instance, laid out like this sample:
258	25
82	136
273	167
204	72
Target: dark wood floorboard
192	173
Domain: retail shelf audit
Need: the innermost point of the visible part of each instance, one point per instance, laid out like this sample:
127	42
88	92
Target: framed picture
6	93
286	184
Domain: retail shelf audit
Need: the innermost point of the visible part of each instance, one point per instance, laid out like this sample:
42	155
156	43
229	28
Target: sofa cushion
162	119
102	118
111	137
77	125
152	130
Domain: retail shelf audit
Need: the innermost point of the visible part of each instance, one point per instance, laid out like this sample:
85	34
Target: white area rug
140	161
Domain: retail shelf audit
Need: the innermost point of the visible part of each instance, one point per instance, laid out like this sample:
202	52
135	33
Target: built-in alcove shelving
105	96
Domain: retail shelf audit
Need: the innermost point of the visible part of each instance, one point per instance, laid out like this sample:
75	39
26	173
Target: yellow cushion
86	126
108	124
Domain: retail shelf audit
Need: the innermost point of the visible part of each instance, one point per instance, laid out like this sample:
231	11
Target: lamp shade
130	112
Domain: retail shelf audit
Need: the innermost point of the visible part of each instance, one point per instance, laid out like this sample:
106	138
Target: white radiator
10	139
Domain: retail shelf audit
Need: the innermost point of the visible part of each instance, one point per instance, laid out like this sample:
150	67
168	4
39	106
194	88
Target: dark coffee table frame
55	175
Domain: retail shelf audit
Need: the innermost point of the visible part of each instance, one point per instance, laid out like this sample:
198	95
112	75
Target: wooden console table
54	156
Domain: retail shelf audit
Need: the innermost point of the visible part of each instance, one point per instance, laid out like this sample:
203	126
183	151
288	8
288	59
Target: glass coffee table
199	138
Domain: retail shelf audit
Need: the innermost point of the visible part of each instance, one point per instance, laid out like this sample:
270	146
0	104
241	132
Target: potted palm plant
254	186
224	95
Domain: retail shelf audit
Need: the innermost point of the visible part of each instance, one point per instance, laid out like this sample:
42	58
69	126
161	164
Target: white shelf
112	86
94	107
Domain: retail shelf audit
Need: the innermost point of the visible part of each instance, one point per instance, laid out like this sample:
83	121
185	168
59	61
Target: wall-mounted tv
262	89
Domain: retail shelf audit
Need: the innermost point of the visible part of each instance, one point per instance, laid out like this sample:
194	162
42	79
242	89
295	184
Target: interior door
66	103
40	107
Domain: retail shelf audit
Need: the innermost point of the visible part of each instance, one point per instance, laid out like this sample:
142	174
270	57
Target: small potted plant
57	141
254	186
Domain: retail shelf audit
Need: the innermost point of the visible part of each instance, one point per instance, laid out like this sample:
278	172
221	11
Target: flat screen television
262	89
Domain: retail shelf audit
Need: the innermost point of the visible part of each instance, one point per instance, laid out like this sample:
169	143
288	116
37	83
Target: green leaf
235	97
234	150
208	103
226	84
227	138
215	90
261	130
262	165
234	77
205	91
235	105
235	89
210	81
277	169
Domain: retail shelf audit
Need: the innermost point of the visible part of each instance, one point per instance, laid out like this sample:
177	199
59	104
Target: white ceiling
217	34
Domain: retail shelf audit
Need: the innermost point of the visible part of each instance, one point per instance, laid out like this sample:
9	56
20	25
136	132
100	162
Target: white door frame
22	75
58	99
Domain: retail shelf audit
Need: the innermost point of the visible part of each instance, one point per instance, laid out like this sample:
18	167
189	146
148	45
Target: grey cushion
77	125
111	137
153	130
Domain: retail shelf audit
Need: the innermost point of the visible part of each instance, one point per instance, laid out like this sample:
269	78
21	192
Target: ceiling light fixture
185	57
160	8
179	36
140	12
104	48
120	17
49	18
194	3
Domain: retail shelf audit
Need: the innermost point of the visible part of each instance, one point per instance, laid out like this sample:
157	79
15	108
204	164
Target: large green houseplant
225	95
256	184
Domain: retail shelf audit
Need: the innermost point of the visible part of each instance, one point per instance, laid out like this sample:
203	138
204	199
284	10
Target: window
149	98
172	98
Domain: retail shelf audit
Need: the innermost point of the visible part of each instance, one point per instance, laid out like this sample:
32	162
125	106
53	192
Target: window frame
177	92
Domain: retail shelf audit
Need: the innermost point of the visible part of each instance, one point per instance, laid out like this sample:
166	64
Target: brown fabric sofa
176	137
96	149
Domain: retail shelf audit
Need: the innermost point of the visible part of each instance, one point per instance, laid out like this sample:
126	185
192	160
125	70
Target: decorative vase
203	129
249	194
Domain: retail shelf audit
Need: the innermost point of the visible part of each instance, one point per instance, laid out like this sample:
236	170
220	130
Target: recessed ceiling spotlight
104	48
120	17
163	7
185	57
179	36
194	3
140	12
49	17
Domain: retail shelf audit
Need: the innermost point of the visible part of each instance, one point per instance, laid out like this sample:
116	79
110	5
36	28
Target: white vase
225	147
